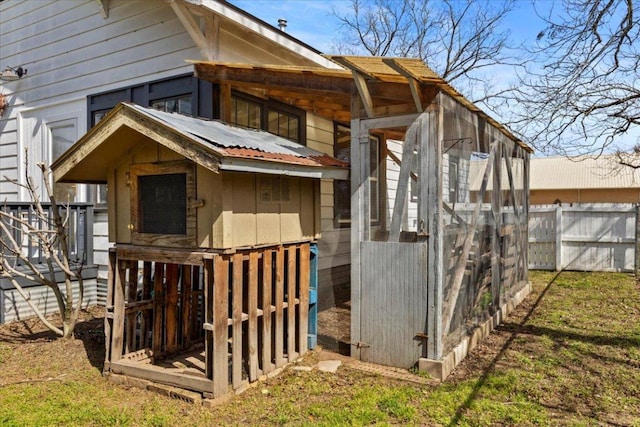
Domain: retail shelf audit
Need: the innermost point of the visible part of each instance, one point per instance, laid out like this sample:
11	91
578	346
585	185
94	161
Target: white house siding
334	250
14	307
71	51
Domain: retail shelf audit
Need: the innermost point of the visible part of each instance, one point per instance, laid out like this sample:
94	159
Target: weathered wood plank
267	289
117	340
253	315
220	315
291	309
160	375
171	308
185	304
236	356
158	308
305	276
279	317
108	320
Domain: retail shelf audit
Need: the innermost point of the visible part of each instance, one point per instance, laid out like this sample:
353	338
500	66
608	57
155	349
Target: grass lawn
569	355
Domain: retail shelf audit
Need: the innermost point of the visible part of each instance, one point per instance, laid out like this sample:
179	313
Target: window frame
269	105
340	222
173	167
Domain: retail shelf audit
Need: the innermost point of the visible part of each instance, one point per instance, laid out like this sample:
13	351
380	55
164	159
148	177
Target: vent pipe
282	24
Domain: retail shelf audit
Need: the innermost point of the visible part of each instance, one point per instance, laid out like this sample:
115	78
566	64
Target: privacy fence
593	237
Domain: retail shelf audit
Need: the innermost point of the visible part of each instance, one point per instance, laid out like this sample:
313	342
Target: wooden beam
363	90
399	204
414	85
193	28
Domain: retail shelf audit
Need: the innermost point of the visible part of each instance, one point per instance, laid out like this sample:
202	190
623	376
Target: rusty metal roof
210	143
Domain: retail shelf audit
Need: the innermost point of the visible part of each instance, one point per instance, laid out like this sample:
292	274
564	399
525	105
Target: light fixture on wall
11	73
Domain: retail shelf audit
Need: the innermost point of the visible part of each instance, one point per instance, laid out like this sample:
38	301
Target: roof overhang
210	144
386	86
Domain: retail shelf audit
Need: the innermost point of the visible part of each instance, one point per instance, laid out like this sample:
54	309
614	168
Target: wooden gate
394	303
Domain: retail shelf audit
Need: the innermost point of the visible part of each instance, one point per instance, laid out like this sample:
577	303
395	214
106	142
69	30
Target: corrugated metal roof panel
551	173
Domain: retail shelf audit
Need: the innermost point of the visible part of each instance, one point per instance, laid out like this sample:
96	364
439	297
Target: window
342	188
160	210
181	105
278	119
181	94
63	135
162	203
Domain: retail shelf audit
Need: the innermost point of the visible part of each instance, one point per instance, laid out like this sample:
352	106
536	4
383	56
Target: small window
342	188
278	119
160	210
163	203
181	105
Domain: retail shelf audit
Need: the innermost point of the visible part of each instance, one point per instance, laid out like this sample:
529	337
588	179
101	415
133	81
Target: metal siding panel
16	308
394	302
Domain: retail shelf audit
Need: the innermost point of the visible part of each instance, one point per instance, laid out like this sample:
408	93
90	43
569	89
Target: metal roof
210	143
555	173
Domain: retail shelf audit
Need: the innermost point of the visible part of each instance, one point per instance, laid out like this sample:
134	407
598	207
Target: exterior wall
14	307
71	51
613	195
233	214
334	247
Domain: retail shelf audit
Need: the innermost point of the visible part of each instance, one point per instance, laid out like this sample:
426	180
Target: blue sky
311	21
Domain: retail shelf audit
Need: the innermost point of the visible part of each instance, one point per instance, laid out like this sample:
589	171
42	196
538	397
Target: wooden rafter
207	42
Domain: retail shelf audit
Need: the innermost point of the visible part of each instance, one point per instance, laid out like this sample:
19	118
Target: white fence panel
582	237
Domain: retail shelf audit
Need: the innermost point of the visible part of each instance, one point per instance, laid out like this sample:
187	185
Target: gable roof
210	143
555	173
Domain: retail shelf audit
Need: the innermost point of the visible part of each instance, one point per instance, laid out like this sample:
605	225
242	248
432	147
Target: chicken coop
438	203
214	229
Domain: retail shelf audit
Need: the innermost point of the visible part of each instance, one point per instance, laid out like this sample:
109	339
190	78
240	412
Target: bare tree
580	93
48	231
458	39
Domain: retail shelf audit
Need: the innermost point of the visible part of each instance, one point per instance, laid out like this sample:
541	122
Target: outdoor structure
213	227
84	57
431	271
558	180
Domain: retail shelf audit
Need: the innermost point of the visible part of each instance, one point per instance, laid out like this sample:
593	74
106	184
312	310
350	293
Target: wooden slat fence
248	308
583	237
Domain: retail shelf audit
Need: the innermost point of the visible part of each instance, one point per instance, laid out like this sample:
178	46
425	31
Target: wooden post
637	243
267	289
279	303
305	277
171	308
253	315
117	337
185	304
291	304
108	318
236	319
433	150
220	313
559	238
496	243
158	308
147	285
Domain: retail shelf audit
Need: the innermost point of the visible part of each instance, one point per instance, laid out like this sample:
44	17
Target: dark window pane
163	203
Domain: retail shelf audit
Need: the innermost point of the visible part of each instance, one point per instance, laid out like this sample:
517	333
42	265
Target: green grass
569	356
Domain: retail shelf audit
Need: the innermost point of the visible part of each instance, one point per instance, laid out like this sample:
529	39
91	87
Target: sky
311	21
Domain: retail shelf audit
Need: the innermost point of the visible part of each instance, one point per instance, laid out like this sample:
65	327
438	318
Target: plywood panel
244	231
209	216
290	226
